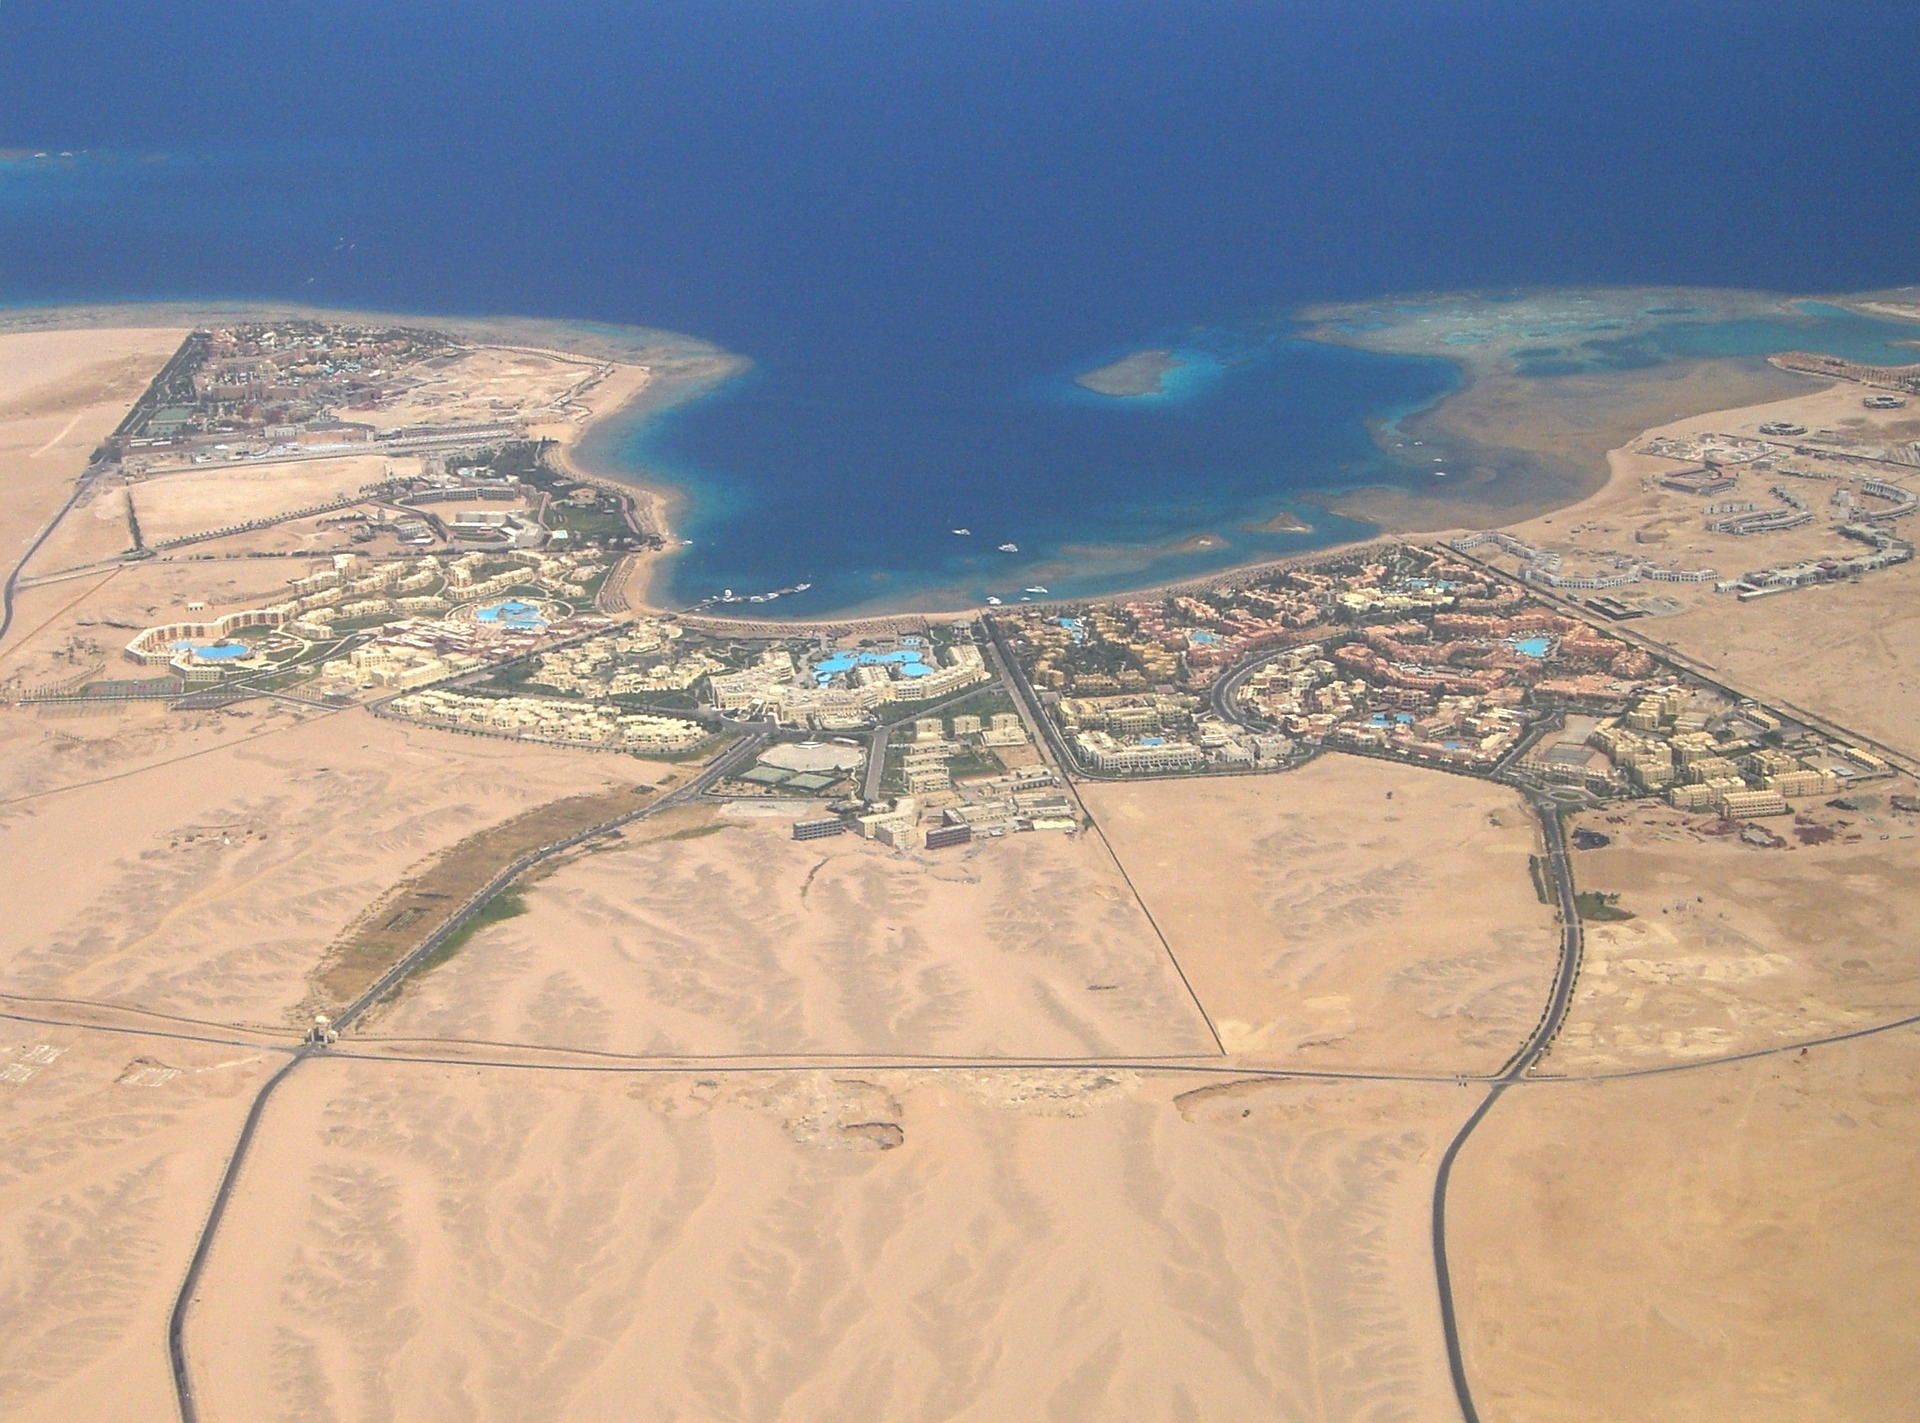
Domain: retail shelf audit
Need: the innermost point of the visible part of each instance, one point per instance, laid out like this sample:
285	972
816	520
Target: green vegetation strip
408	914
1542	885
508	904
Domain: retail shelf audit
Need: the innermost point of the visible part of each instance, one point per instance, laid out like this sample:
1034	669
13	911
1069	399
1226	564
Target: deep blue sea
920	220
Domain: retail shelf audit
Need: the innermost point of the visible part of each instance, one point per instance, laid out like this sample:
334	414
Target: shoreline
657	503
1527	446
664	369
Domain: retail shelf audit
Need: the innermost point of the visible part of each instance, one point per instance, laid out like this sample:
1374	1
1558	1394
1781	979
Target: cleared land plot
61	393
481	385
1349	915
214	884
702	935
1739	1241
111	1146
442	1243
1849	652
1735	946
197	501
1812	647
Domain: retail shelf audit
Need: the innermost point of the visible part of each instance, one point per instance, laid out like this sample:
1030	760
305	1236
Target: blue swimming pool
226	650
512	614
909	663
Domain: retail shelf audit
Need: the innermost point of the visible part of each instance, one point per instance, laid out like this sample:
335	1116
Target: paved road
80	486
1225	694
1566	973
724	765
876	764
1046	736
177	1319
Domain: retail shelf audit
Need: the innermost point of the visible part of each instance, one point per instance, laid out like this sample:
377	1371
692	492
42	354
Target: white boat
1036	589
963	532
993	602
1009	548
801	587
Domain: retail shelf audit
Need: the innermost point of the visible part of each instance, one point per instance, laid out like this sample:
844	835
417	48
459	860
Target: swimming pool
512	614
1532	646
226	650
908	662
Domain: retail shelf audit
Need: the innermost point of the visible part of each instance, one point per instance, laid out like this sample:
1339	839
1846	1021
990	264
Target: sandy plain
702	935
445	1243
1734	1241
1351	915
205	869
61	393
1736	947
111	1146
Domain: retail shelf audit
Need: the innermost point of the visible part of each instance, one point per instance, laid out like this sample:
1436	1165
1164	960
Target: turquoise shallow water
1100	493
1823	326
921	221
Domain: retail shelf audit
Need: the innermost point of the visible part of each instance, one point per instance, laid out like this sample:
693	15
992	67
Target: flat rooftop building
940	837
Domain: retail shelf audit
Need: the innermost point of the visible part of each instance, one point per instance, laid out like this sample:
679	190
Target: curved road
720	767
1565	975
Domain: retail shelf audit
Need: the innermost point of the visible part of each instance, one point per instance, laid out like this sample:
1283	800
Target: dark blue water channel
920	220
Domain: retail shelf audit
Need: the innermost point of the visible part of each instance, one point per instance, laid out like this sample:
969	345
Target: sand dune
110	1148
705	936
1324	924
448	1245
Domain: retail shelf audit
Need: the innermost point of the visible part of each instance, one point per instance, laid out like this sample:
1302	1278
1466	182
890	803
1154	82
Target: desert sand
1730	1242
703	935
1736	947
1352	915
61	393
111	1146
445	1243
211	884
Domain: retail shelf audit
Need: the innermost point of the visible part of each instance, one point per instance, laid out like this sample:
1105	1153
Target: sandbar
1141	373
